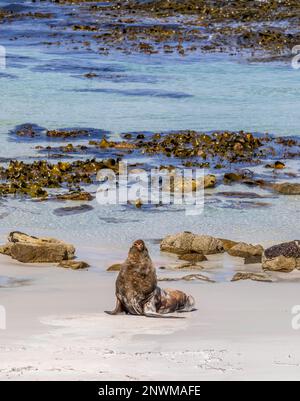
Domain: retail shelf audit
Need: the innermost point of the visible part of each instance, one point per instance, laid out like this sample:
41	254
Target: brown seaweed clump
31	179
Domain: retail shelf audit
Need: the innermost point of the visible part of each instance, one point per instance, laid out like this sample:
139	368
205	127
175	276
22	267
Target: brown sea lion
137	291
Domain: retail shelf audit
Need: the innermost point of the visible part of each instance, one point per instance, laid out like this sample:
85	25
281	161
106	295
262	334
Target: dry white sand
56	330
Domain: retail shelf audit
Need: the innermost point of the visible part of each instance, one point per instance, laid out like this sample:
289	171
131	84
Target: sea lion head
138	250
139	245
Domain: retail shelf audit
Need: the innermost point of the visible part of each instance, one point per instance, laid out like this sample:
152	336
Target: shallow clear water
136	93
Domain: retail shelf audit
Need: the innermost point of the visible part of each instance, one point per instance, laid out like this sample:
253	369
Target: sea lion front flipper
118	309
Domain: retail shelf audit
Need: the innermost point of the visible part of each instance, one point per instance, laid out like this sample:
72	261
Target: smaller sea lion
137	291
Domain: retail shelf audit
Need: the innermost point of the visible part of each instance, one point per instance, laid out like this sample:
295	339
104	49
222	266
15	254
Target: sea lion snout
139	245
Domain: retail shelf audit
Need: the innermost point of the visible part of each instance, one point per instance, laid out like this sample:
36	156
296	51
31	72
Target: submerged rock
283	257
188	277
29	249
183	266
70	210
186	242
73	264
287	188
251	276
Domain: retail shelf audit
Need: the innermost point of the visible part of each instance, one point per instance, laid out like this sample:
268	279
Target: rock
114	268
251	276
280	263
186	242
244	250
193	257
189	184
29	249
73	264
210	181
5	249
277	165
207	245
189	277
253	259
138	203
286	188
179	243
284	257
183	266
228	244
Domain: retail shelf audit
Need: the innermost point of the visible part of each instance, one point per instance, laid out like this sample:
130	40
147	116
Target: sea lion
137	291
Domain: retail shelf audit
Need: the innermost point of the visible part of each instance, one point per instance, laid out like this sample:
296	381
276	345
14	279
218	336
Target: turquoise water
148	93
136	93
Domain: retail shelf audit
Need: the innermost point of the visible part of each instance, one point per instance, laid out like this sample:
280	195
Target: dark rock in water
27	131
284	257
66	211
29	249
16	8
253	259
251	276
73	264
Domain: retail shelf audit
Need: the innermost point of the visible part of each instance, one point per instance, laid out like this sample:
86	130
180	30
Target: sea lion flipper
185	311
118	309
157	315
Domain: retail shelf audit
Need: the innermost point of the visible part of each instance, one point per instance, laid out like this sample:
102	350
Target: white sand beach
57	330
